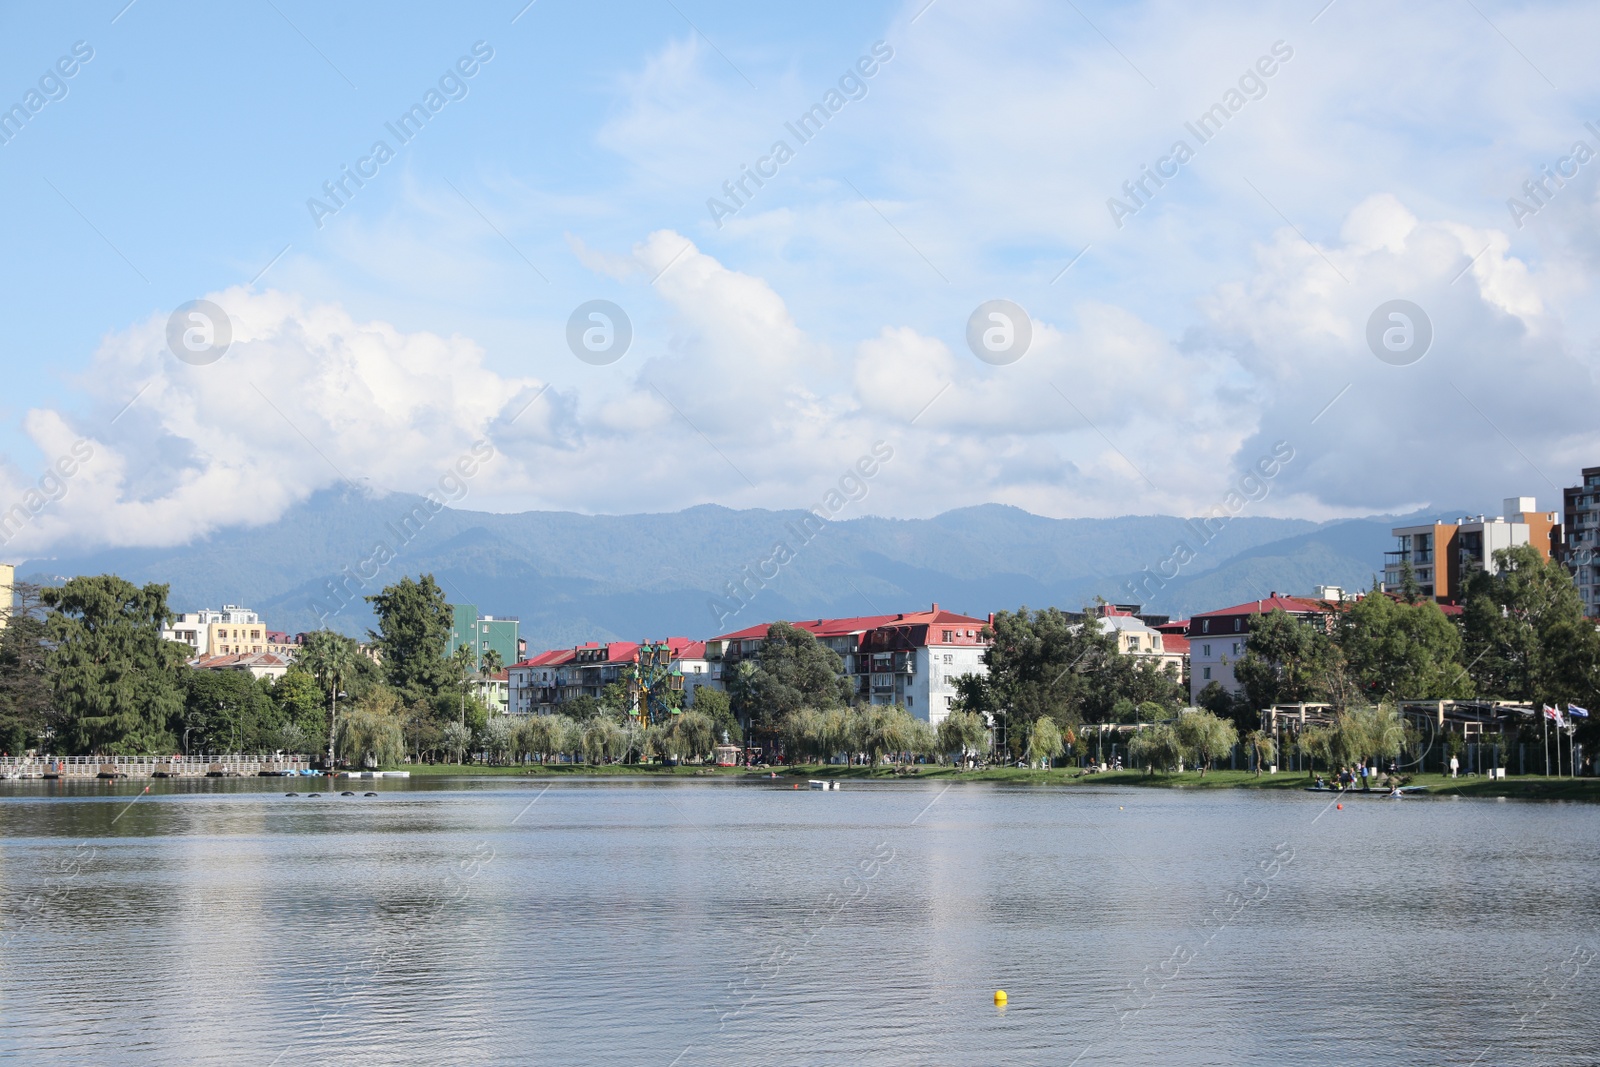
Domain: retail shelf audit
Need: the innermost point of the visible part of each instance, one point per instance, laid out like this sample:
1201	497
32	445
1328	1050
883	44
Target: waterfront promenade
224	765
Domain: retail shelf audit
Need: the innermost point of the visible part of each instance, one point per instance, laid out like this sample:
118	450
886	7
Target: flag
1577	712
1552	713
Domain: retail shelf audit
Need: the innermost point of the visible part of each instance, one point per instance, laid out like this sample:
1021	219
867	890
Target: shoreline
1527	787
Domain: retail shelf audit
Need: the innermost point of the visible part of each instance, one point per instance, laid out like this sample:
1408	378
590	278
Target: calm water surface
679	923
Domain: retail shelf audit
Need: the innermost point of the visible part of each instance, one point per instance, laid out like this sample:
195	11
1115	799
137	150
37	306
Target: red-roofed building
912	658
1218	638
259	664
541	684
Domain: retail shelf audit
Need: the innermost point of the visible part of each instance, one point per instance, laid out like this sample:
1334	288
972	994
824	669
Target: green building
483	632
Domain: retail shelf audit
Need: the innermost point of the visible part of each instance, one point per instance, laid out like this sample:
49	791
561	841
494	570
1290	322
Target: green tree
1047	663
1155	746
227	711
603	740
414	625
499	737
792	671
1370	734
490	664
1263	749
962	732
299	703
1044	740
371	734
802	731
455	737
1285	660
689	736
1205	737
1217	700
1524	632
27	706
117	683
332	660
1396	650
714	705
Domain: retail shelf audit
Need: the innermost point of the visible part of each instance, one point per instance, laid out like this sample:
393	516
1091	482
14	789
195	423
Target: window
910	701
1238	624
1205	626
1205	650
1208	673
949	636
949	659
1236	648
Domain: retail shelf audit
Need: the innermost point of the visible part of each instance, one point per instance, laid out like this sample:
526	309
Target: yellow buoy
999	996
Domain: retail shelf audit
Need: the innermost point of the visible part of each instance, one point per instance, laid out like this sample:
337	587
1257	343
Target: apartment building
8	577
1444	556
541	684
1580	542
484	632
912	658
210	631
1135	637
1218	638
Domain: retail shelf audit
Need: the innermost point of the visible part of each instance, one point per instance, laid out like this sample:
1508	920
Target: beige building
259	664
1136	638
8	574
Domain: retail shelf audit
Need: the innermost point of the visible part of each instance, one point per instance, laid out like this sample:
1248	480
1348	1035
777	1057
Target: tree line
84	670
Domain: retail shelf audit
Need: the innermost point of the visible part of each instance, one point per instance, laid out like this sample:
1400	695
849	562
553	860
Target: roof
553	658
616	652
1174	642
1294	605
241	660
861	624
1122	622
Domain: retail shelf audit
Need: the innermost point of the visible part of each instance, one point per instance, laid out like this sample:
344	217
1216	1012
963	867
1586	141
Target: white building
912	659
1218	638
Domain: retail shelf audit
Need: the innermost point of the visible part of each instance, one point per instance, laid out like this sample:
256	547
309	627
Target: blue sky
829	312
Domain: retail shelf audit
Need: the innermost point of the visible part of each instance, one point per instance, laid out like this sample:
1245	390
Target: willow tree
370	735
1044	740
962	732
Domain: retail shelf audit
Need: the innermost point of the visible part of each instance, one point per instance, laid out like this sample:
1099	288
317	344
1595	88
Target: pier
236	765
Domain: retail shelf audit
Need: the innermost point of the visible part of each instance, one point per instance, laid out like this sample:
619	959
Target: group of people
1348	776
1096	765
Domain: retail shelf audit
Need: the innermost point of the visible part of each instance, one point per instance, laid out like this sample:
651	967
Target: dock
234	765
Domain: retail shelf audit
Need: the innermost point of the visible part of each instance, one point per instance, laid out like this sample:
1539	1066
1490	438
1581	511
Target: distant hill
573	578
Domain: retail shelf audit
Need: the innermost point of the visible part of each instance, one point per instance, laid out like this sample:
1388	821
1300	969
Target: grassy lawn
1529	787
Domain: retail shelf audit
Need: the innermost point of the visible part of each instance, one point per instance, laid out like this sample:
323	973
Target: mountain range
572	578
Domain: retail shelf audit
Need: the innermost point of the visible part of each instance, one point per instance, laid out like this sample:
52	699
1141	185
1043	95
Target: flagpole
1544	719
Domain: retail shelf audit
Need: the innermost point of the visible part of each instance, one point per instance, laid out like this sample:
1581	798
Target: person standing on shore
1455	765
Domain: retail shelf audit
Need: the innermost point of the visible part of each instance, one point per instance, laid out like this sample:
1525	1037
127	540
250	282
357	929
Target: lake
713	922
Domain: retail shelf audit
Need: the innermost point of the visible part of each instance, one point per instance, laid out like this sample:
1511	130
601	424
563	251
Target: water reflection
725	922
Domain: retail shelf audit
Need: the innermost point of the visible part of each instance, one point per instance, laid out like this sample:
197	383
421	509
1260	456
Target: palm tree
490	665
332	660
465	662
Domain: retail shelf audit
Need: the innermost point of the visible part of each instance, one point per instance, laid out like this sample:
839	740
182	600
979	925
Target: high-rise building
1444	555
1581	547
483	632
